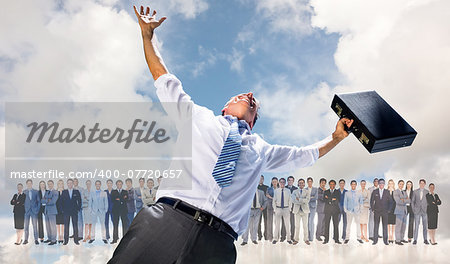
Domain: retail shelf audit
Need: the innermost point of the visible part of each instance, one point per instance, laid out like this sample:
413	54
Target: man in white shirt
281	203
218	201
300	198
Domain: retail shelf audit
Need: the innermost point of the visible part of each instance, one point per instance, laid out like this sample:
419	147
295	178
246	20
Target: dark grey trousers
161	234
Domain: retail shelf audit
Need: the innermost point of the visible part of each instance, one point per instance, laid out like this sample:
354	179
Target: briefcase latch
339	110
363	139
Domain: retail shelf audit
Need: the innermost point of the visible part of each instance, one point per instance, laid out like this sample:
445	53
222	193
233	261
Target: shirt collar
243	125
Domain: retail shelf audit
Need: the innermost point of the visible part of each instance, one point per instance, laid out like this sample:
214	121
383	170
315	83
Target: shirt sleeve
279	158
170	90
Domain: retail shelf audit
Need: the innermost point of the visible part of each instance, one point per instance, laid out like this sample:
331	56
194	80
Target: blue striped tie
226	163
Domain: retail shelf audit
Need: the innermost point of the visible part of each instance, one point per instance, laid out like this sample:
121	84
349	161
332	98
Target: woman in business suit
87	211
409	192
42	190
60	216
432	213
18	201
391	215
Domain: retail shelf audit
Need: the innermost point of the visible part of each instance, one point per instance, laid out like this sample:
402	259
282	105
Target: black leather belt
200	216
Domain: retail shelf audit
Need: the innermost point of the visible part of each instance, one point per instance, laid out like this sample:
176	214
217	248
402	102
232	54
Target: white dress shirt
209	132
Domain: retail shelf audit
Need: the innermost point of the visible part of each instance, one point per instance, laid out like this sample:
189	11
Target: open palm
146	22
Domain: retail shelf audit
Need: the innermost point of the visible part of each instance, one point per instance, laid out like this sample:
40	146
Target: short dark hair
341	180
20	184
422	180
291	177
150	180
309	178
282	179
431	184
98	181
109	180
353	181
381	180
362	181
301	179
332	181
119	181
142	179
262	175
50	181
69	180
128	180
375	179
29	180
323	180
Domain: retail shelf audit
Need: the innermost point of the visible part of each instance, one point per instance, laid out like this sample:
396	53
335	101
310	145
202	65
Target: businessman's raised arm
148	23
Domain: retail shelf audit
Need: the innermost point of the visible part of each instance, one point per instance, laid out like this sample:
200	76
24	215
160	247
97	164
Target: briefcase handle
352	128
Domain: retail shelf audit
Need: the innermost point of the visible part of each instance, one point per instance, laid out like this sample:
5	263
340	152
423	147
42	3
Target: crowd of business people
85	207
284	209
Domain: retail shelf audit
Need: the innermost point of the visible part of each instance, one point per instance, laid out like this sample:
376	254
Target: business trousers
417	218
335	218
371	220
80	223
285	215
50	225
269	226
123	217
353	217
311	215
410	225
40	220
34	224
261	217
108	216
400	227
252	227
130	217
162	235
301	217
343	216
376	225
98	217
320	228
74	218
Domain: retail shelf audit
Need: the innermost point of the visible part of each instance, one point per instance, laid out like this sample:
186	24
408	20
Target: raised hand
146	22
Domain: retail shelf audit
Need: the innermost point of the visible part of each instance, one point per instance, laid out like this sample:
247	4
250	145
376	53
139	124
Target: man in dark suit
332	210
263	187
71	205
119	199
380	203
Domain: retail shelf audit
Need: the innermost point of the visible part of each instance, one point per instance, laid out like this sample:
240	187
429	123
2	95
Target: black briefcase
376	124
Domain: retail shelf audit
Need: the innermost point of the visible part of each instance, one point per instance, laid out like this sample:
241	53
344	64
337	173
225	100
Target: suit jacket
353	205
18	201
71	206
131	206
419	206
313	197
262	199
401	200
149	196
32	206
41	196
433	202
383	205
409	207
320	201
301	200
100	203
49	201
332	201
276	201
341	199
119	201
138	195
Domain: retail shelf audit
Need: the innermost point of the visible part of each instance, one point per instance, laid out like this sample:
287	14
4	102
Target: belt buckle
201	217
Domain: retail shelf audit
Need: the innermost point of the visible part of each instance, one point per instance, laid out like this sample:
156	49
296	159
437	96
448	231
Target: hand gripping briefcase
376	124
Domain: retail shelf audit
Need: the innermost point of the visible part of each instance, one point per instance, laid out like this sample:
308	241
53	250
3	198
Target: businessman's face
88	184
128	184
310	183
261	180
29	184
431	187
375	183
98	185
109	184
243	106
290	182
69	184
75	182
282	183
301	184
332	185
422	184
342	184
141	182
363	185
353	186
381	184
119	185
19	188
322	184
150	184
50	185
